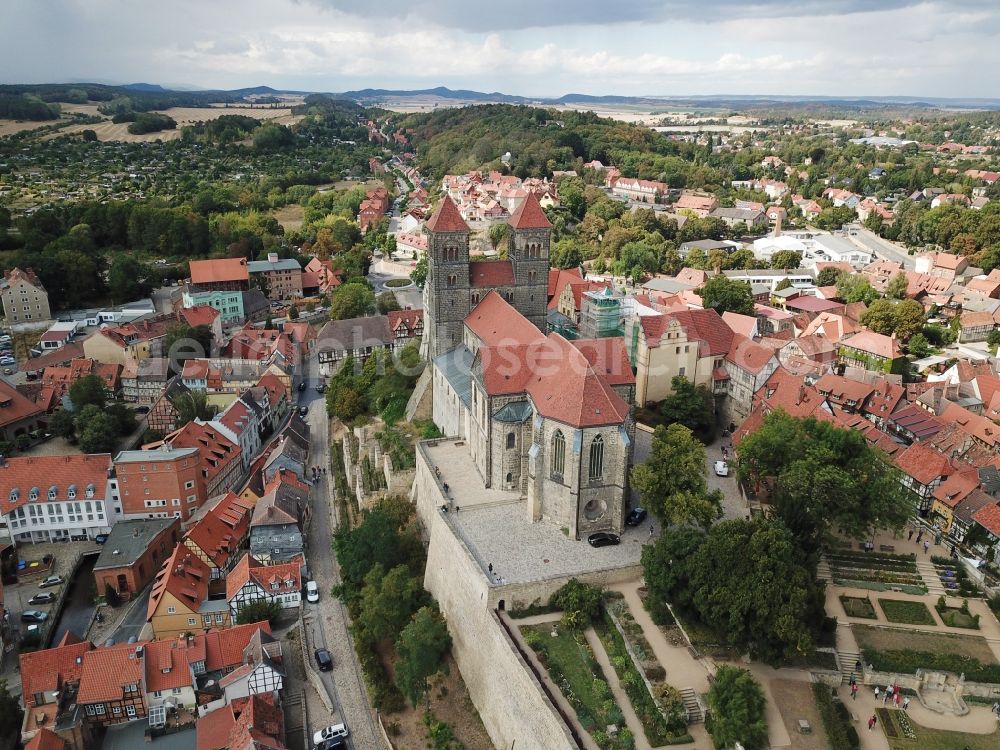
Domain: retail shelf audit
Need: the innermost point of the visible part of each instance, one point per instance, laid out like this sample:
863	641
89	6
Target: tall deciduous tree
671	482
737	710
722	294
352	300
420	648
690	405
388	600
88	391
897	286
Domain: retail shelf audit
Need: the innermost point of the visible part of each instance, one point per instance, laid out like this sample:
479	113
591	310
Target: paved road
327	620
135	618
883	248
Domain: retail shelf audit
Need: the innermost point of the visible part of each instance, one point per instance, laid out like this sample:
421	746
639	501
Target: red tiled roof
215	449
447	218
199	315
874	343
745	325
195	369
167	664
50	669
224	648
923	464
491	274
107	670
407	318
45	472
529	215
185	576
609	358
14	407
955	488
287	575
219	269
704	326
214	728
840	389
749	355
989	518
812	304
46	739
259	726
560	277
219	532
495	321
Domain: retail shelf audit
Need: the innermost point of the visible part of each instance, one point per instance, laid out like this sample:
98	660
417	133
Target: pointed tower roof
447	218
529	215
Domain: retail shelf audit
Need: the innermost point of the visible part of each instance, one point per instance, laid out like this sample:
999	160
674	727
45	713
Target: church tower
446	291
528	250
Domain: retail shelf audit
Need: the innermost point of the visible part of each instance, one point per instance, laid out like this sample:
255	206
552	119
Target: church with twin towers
542	416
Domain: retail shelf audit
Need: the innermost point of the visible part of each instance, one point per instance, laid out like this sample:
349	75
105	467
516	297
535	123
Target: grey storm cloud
474	16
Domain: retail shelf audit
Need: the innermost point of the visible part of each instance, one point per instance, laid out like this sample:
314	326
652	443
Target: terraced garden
954	578
910	613
878	571
855	606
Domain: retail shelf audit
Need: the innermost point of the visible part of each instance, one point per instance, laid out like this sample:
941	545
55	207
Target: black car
603	539
324	660
303	410
334	743
101	538
635	517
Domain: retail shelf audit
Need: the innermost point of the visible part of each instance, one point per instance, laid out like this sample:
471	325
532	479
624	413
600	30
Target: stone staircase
692	704
931	579
848	661
823	572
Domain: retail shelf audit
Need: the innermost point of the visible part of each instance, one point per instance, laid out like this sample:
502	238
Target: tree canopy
725	295
737	710
421	648
352	300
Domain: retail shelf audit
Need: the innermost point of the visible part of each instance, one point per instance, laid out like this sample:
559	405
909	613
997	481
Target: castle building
544	417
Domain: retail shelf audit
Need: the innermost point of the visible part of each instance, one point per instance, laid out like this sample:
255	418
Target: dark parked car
46	597
635	517
302	385
33	615
603	539
303	411
324	660
101	538
334	743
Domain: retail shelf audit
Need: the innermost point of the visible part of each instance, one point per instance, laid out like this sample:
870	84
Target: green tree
786	259
855	288
192	405
272	137
909	318
419	274
97	430
897	286
88	391
880	317
737	710
722	294
388	600
580	603
127	278
785	283
690	405
420	650
667	581
62	424
352	300
919	346
184	342
387	302
828	276
259	611
566	254
671	482
829	475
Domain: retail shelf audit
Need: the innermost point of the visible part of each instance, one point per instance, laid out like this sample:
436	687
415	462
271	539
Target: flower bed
855	606
957	617
954	578
911	613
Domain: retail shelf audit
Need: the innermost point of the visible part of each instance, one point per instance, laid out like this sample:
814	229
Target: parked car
312	591
52	581
46	597
603	539
337	730
635	517
101	538
8	361
721	469
33	615
141	409
323	660
334	743
321	388
303	411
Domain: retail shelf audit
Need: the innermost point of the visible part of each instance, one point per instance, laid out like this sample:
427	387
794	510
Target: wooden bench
886	548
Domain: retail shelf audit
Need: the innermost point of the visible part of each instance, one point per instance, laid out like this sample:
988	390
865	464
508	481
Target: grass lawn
898	639
956	618
572	667
855	606
931	739
911	613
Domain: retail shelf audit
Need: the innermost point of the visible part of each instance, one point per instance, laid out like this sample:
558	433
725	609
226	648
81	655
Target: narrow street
327	620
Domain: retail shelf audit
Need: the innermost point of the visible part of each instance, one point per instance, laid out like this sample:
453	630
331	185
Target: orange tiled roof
46	739
106	671
286	575
219	270
50	669
75	472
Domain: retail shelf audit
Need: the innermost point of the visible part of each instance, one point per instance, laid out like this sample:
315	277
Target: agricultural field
109	131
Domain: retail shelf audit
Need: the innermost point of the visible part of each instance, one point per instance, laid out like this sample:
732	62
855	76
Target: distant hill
147	87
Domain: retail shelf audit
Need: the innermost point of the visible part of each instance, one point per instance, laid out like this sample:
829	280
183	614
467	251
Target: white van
312	592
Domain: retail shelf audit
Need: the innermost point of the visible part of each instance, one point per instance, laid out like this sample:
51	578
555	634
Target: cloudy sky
529	47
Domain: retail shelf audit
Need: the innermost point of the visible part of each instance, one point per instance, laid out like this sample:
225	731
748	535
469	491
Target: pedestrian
490	567
906	703
896	699
650	531
920	536
871	722
910	539
854	691
927	546
876	692
857	665
874	719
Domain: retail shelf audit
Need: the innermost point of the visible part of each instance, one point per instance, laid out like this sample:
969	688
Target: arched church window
558	454
510	440
597	458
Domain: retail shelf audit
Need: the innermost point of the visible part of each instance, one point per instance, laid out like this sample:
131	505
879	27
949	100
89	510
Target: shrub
737	710
580	603
907	661
836	720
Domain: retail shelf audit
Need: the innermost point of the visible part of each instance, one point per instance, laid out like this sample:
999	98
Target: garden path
621	697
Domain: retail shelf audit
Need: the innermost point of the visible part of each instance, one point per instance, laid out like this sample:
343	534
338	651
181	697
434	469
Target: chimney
272	257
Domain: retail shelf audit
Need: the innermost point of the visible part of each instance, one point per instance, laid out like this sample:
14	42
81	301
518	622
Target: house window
597	458
558	454
189	484
177	691
208	620
99	709
510	440
275	585
90	710
130	710
116	710
192	621
171	610
681	371
219	618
